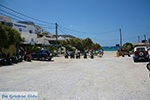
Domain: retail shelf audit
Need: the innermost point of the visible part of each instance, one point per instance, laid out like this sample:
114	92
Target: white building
38	29
6	21
27	32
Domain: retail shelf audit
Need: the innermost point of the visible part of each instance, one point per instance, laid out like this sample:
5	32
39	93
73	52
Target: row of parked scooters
15	58
77	55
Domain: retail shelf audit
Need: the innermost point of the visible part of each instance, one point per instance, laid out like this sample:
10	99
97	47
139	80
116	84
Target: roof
67	36
43	35
140	44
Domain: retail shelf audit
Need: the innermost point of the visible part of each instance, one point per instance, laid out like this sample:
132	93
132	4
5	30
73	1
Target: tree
87	43
9	36
81	44
3	37
128	46
44	33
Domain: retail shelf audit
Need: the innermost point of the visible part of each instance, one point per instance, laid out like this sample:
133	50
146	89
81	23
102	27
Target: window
20	29
23	39
30	31
3	23
140	49
32	40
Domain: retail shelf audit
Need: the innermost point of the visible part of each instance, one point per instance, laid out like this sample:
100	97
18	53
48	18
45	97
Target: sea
110	48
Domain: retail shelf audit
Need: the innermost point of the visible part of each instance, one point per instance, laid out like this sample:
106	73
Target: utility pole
145	37
56	32
120	38
139	39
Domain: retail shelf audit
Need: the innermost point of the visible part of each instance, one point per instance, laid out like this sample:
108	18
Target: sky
99	20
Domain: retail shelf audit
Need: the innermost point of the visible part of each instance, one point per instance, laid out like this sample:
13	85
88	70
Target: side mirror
148	66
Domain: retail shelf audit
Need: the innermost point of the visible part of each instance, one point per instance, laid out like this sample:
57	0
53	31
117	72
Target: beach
106	78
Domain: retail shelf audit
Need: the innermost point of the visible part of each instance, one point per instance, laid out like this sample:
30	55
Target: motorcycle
85	56
92	56
8	59
14	59
66	55
78	55
72	55
3	60
20	57
27	57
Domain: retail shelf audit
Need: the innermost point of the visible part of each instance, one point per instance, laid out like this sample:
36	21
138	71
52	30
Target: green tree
128	46
80	44
9	36
44	33
87	43
4	38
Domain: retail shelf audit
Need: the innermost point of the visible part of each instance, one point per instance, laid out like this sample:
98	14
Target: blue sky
93	18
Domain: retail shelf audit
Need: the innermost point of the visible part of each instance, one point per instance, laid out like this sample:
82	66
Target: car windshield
140	49
45	51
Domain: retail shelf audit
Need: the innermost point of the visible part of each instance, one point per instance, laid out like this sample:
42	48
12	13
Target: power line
18	19
21	17
88	32
64	31
25	15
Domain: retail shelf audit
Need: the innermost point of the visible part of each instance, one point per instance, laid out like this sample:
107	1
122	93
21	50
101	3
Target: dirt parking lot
106	78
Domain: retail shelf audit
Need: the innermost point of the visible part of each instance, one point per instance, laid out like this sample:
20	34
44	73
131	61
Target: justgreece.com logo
18	96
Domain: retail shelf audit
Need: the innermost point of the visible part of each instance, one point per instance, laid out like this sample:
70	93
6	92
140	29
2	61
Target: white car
140	53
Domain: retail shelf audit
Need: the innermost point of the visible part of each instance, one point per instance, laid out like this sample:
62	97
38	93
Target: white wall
27	32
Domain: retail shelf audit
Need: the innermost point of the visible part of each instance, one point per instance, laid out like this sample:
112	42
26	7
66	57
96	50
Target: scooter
78	55
8	58
122	54
148	67
92	56
72	55
14	58
66	55
85	56
20	57
27	57
3	60
129	55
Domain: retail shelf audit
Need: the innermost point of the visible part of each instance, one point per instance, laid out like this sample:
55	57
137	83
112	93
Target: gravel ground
106	78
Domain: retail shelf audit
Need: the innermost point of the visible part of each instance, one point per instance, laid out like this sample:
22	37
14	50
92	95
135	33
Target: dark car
42	55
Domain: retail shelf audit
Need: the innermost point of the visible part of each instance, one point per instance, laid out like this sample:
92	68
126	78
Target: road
106	78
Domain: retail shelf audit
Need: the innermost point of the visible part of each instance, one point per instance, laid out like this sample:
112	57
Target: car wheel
135	60
49	59
43	58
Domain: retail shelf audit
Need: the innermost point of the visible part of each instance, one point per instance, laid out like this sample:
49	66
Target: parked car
140	54
42	55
